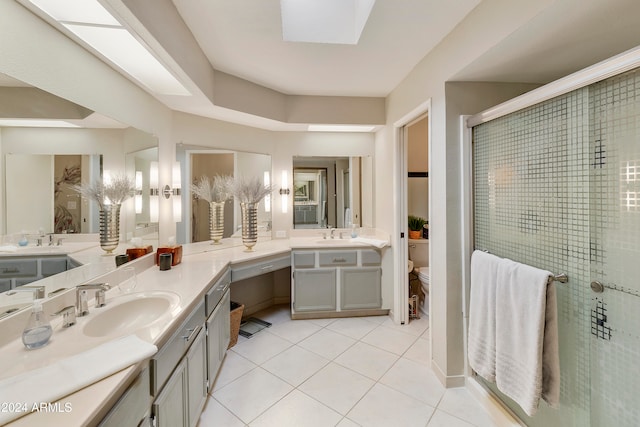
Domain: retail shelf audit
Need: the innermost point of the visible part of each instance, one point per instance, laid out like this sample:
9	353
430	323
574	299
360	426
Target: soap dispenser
38	330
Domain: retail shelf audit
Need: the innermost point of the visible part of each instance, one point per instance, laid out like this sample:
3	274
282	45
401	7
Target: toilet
419	255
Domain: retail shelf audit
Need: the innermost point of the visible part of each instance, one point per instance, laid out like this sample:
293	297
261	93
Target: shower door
557	186
614	140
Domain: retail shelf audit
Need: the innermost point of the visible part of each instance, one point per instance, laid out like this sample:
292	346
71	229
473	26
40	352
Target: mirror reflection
326	192
200	161
45	181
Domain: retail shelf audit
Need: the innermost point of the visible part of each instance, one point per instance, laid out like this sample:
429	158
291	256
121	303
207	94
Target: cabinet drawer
338	258
18	268
370	257
163	363
214	295
246	270
304	259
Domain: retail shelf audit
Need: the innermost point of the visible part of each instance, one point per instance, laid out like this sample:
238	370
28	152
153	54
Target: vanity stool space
336	283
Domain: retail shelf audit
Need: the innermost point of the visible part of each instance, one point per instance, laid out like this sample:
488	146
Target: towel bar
562	278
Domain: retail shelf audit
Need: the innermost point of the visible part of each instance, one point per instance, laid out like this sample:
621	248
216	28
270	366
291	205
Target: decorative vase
216	221
109	227
249	213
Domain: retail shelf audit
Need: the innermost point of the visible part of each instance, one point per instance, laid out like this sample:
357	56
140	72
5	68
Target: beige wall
472	38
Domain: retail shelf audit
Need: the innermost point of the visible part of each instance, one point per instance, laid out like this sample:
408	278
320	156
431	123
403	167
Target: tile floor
336	372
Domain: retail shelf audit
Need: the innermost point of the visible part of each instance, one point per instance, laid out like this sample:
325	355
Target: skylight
324	21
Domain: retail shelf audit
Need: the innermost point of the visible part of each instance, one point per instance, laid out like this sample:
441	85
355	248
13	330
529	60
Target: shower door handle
597	287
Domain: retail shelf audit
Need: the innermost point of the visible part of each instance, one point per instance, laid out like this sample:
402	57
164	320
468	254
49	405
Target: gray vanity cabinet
170	408
196	378
360	288
178	374
218	336
336	283
314	289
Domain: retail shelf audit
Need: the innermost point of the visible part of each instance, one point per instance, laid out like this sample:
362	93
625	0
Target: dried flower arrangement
218	189
119	189
250	190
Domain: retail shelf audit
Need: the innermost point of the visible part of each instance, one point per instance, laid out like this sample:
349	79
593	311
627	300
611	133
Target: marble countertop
202	263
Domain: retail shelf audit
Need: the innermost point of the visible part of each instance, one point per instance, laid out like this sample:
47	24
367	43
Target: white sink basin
130	313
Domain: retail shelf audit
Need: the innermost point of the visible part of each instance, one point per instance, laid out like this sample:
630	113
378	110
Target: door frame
400	237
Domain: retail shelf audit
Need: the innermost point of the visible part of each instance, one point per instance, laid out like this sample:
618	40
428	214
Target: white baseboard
450	381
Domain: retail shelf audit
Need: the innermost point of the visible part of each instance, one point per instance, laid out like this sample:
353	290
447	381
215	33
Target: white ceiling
244	38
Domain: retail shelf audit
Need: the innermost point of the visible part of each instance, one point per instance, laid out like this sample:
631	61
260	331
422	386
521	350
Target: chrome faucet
82	306
68	316
38	291
332	233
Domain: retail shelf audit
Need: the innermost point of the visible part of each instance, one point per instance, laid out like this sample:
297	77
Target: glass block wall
556	187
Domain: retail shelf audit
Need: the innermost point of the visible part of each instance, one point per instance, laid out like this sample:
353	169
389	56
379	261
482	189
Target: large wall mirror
48	144
327	192
200	161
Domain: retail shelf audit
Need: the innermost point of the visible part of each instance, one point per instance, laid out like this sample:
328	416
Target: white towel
527	362
8	248
370	241
482	314
53	382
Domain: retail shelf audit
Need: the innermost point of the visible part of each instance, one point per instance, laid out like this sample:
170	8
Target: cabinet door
170	408
360	288
133	406
314	289
196	377
218	335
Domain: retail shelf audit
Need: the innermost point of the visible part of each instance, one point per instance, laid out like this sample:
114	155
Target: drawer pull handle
339	260
267	267
192	332
10	270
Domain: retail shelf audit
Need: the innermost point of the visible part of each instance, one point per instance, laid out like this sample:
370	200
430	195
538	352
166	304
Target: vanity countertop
202	263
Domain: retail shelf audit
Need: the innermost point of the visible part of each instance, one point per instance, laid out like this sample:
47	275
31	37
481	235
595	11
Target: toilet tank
419	252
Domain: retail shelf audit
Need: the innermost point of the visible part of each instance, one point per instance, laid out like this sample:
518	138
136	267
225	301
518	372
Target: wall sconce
267	198
284	192
154	202
137	198
167	191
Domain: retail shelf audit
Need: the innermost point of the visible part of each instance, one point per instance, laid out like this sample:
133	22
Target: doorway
402	127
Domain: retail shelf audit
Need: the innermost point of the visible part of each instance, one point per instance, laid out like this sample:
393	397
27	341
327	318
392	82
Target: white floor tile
415	326
383	406
346	422
442	419
327	344
295	330
420	351
322	322
459	402
390	340
253	393
353	327
377	319
337	387
295	365
262	347
297	409
415	380
367	360
215	414
233	367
